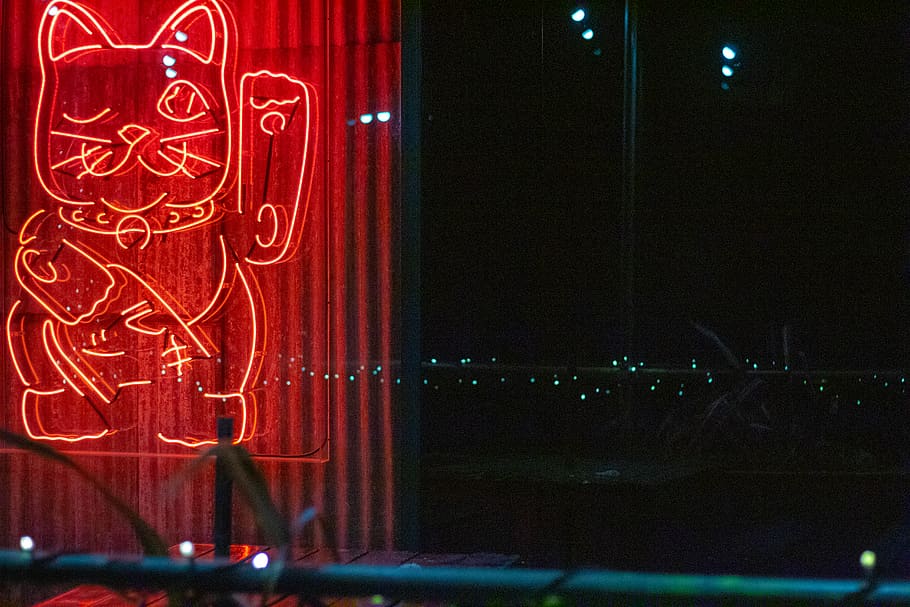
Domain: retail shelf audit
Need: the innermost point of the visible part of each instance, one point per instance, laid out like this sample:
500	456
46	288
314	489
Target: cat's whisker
81	137
77	158
191	135
148	167
208	161
182	165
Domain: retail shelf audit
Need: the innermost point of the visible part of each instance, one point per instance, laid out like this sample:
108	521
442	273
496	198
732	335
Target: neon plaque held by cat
141	274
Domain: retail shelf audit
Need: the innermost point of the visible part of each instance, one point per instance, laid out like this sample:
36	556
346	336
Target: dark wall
778	202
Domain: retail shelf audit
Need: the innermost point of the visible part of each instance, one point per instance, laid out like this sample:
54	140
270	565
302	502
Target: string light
187	549
261	560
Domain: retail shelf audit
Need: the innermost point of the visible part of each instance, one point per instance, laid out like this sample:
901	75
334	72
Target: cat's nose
133	133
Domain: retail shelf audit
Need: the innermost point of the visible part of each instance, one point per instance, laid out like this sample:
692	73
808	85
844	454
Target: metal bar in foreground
440	583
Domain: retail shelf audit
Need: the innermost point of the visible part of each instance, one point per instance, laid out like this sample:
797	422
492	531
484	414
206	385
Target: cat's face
135	133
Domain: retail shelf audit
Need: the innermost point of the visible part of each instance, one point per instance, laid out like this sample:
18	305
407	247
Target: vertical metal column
629	140
407	418
221	532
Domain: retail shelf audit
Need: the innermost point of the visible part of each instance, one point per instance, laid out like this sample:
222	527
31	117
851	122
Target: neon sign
141	274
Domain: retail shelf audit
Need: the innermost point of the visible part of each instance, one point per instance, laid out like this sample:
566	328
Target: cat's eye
182	101
97	116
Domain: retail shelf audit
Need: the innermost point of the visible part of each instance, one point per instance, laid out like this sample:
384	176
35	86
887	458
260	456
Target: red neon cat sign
112	310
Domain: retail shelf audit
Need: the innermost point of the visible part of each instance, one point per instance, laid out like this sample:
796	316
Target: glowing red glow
122	183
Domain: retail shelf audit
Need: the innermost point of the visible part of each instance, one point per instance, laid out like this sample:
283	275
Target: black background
779	202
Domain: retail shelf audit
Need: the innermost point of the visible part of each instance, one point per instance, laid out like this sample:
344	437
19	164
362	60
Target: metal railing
474	585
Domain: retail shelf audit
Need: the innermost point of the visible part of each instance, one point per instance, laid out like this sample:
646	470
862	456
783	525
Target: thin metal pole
407	418
221	532
629	139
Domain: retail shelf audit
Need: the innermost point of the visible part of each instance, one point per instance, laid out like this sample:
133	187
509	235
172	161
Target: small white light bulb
384	116
181	36
170	72
261	561
187	549
26	543
168	60
578	15
366	118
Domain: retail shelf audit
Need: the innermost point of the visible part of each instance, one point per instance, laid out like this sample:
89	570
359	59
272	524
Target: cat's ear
69	29
200	28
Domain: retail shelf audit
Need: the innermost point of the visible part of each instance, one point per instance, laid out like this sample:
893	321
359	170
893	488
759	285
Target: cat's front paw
201	430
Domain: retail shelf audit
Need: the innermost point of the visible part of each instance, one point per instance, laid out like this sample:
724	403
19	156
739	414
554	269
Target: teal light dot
625	359
583	397
886	384
350	378
786	367
694	366
533	380
755	365
821	388
473	382
502	380
555	382
710	380
426	382
859	402
653	387
615	363
433	361
633	369
680	393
